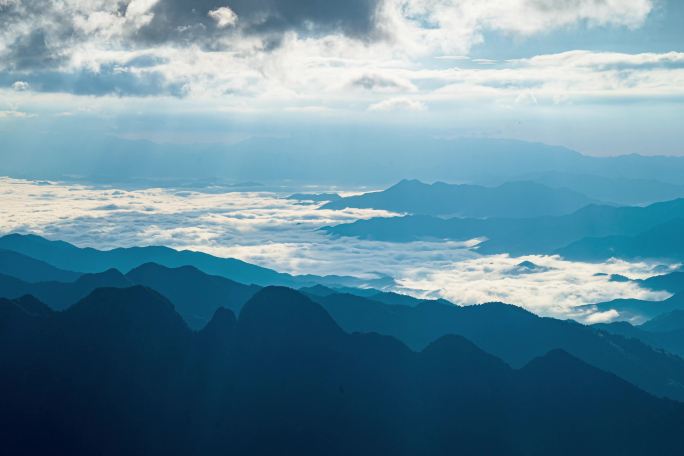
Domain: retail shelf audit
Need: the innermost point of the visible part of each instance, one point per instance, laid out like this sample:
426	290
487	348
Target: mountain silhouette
512	199
31	270
314	197
67	256
60	295
286	379
660	242
513	334
637	310
195	295
518	236
665	332
618	189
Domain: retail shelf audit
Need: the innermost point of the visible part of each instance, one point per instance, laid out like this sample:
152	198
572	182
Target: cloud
20	86
602	317
381	83
224	16
398	104
8	114
263	228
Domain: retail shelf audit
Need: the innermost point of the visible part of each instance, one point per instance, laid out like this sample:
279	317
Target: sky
603	77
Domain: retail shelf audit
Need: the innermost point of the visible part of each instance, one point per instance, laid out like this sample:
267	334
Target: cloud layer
266	229
289	54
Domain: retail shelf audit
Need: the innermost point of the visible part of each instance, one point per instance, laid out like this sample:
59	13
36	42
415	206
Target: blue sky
604	77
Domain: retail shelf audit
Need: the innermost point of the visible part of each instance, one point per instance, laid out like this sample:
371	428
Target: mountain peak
280	312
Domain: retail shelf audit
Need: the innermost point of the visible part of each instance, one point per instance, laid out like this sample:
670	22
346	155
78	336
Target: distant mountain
195	295
665	331
663	241
60	295
31	270
514	199
618	190
511	333
521	236
672	282
638	311
67	256
315	197
671	321
285	379
324	157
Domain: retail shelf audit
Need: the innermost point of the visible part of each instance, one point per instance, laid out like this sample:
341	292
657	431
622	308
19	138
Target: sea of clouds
265	228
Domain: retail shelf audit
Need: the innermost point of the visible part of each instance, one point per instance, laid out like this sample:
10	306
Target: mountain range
595	232
125	375
512	199
69	257
323	157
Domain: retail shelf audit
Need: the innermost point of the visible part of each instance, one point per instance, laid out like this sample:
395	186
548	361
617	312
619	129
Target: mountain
67	256
664	242
324	157
670	321
637	310
514	199
672	282
60	295
195	295
285	379
665	331
617	190
314	197
518	236
31	270
512	334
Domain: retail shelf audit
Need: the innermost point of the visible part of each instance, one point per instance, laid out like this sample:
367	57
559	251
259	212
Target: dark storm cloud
183	20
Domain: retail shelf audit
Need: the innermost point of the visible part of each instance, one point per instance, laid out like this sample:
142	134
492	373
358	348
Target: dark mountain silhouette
519	236
664	241
67	256
31	270
514	199
195	295
513	334
664	331
127	376
60	295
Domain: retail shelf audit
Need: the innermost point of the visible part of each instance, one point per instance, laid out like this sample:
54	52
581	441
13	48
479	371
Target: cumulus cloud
277	51
223	16
20	86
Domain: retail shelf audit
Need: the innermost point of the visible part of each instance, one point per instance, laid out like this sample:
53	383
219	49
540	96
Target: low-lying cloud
271	231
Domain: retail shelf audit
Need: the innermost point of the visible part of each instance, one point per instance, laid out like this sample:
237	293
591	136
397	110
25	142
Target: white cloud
602	317
224	17
20	86
398	104
264	229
